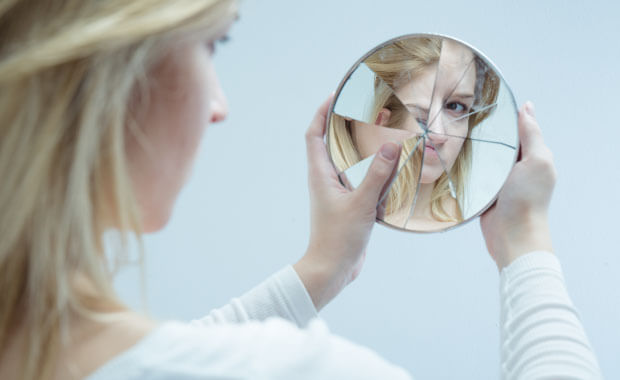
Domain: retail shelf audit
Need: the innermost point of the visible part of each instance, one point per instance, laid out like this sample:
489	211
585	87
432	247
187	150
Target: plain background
426	302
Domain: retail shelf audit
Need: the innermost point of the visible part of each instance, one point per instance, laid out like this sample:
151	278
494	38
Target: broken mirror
452	113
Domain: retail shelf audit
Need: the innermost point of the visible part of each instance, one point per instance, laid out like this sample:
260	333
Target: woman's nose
219	110
218	105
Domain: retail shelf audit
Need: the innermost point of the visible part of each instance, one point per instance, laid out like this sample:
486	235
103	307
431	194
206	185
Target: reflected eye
457	107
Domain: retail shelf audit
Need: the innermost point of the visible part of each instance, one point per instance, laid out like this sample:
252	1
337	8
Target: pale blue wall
426	302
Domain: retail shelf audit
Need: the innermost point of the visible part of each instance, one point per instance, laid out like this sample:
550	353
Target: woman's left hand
341	220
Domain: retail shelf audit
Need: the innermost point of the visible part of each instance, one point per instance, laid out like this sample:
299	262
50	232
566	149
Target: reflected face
438	99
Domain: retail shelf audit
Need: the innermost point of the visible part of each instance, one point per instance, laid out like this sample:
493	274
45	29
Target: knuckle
547	156
372	176
554	175
543	162
550	156
382	167
531	126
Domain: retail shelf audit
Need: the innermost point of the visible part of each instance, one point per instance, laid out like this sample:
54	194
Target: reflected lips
429	151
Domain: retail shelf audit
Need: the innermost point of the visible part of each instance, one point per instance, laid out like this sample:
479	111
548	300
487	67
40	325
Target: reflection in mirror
489	165
401	198
366	115
452	114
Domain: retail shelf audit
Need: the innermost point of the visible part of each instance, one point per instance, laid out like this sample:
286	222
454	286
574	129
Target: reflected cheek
412	125
458	127
451	151
368	140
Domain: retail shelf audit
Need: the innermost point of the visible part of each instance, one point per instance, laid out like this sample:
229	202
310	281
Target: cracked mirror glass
451	112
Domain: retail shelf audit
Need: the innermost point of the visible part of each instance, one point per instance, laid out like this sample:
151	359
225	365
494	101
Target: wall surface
426	302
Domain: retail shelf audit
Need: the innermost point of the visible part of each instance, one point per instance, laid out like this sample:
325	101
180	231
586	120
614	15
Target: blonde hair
394	65
69	70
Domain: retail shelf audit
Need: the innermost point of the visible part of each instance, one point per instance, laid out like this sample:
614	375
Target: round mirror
451	111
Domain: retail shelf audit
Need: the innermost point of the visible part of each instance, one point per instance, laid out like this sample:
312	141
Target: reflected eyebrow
462	95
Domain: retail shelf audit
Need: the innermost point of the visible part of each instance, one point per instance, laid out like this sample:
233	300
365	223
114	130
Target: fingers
380	171
318	161
529	131
533	147
317	127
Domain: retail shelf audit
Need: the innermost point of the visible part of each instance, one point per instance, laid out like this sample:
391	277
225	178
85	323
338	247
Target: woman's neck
102	329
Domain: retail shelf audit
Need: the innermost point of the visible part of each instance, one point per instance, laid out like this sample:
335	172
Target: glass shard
351	140
486	167
402	190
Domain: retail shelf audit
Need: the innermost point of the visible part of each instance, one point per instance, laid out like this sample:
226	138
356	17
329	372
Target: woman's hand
517	224
341	220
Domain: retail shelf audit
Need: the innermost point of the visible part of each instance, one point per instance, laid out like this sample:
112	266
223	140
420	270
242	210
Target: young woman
102	106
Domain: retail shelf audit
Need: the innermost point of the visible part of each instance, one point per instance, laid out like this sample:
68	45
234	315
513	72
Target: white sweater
273	332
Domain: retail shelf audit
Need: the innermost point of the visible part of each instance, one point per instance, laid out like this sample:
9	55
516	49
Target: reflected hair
70	71
394	65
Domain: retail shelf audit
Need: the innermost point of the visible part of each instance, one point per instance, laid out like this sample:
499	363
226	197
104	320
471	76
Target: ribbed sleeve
282	295
541	334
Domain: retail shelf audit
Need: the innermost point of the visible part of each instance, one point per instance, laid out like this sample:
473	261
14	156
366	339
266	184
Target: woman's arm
541	334
341	222
282	295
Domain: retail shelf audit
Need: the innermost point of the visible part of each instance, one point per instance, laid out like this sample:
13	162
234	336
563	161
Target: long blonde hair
393	64
69	70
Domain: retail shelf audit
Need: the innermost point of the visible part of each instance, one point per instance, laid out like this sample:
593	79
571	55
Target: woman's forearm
541	334
282	295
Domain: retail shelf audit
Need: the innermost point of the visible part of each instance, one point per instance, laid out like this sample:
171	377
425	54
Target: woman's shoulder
274	348
184	350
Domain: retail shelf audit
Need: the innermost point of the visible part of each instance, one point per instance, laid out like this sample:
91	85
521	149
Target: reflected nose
435	116
436	138
436	131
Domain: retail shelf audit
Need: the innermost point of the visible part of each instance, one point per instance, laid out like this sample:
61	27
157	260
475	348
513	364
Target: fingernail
389	151
529	107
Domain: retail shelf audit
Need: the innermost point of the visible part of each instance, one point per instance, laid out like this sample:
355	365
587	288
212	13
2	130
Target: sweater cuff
297	298
532	260
535	260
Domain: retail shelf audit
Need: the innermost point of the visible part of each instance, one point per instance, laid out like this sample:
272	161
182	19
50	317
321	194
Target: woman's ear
383	117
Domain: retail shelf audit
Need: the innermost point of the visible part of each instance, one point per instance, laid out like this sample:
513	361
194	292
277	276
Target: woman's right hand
341	219
518	223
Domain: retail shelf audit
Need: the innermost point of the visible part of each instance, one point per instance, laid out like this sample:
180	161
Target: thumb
382	168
